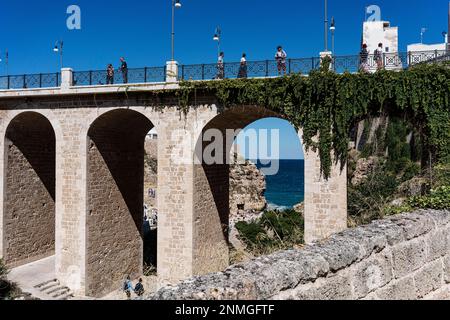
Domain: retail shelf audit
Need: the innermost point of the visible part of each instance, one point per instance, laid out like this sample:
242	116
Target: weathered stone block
414	224
393	233
429	278
409	257
441	218
338	252
403	289
336	287
372	274
437	244
369	241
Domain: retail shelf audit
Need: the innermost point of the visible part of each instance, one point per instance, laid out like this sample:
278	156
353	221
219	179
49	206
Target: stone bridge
72	163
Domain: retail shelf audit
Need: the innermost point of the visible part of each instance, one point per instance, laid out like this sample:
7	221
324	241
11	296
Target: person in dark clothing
124	70
364	58
139	288
379	57
110	74
243	67
128	287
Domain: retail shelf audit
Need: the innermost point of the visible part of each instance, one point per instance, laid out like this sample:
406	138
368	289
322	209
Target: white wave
274	207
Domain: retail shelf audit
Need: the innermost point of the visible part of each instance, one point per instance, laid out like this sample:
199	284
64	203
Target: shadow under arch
212	189
29	193
115	187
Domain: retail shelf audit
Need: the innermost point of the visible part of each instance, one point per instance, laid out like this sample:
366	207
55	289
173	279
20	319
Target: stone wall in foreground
403	257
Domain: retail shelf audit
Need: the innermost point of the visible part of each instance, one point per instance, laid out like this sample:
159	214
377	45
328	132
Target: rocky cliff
247	189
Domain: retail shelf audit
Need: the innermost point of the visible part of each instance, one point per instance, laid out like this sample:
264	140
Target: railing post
289	66
40	80
57	79
203	72
172	71
267	68
409	58
66	78
24	81
90	78
435	54
145	75
182	72
9	82
313	66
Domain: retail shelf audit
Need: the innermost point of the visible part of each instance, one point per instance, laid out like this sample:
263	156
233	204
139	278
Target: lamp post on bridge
326	26
59	45
176	4
217	37
332	29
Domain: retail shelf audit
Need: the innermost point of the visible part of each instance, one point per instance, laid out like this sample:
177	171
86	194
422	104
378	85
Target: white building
375	32
420	47
152	135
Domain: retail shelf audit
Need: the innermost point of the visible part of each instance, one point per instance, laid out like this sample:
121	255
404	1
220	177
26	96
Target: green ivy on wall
327	105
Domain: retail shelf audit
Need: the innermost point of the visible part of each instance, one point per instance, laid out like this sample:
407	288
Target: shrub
367	202
274	231
437	199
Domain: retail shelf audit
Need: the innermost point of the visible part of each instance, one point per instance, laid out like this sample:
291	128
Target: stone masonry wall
403	257
115	200
29	204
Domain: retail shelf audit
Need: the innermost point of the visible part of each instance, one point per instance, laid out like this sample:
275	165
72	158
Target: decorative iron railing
30	81
252	69
99	77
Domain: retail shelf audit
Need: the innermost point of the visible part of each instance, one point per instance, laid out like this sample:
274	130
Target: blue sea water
287	187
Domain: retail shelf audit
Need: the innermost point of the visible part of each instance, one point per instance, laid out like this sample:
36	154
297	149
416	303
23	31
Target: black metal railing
253	69
138	75
30	81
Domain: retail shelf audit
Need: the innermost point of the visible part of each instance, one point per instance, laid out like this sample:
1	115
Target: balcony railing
254	69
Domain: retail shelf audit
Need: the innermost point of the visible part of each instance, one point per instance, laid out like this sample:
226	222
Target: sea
286	188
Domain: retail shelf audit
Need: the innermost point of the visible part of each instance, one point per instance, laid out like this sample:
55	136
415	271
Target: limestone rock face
150	172
364	167
247	188
414	187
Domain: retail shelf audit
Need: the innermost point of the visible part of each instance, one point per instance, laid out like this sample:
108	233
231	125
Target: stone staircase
52	290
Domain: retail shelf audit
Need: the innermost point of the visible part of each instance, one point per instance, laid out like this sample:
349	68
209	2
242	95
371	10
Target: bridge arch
325	200
115	186
29	172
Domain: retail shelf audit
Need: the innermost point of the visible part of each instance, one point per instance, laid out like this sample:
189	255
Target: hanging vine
327	105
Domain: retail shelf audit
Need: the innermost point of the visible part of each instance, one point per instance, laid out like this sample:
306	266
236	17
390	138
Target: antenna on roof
422	32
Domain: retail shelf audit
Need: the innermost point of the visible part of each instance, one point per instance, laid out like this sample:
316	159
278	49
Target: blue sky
140	30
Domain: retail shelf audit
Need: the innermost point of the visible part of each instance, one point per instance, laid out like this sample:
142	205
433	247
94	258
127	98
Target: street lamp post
332	29
326	26
175	5
217	37
59	45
